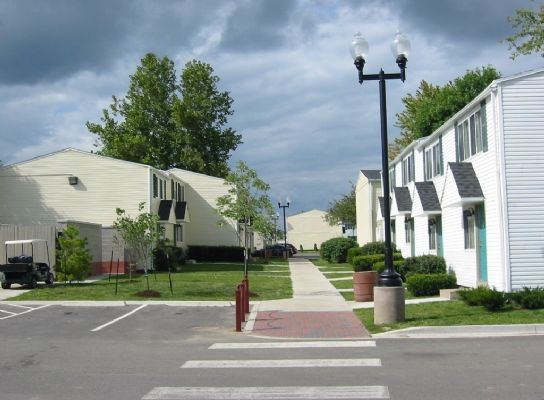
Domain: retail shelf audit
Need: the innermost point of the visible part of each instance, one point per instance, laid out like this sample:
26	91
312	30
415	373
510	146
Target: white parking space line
302	363
29	309
269	393
20	306
8	312
99	328
293	345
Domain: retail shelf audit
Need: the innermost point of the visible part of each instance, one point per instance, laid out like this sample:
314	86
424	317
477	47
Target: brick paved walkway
309	325
316	311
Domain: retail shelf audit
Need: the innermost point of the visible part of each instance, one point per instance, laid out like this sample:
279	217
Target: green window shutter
483	125
457	147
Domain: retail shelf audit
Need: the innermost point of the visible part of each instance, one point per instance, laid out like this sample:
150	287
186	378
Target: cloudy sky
308	127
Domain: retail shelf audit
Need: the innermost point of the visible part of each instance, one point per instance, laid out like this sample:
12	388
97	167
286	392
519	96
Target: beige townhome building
74	185
309	229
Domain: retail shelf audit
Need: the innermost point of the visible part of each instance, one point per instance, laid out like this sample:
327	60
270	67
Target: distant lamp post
275	218
284	206
359	51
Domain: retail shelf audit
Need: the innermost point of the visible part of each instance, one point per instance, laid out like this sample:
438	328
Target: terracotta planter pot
363	285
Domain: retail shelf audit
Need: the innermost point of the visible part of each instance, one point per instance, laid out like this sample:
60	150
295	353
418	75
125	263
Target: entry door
482	242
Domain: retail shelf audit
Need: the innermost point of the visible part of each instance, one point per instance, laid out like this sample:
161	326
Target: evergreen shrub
491	299
429	284
335	250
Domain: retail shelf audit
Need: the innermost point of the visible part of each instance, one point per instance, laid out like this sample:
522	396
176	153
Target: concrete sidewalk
316	311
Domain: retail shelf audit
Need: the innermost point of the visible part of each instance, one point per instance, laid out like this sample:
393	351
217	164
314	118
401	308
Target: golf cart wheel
33	283
6	285
50	279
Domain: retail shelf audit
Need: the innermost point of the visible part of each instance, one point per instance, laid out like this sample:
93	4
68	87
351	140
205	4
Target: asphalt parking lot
66	352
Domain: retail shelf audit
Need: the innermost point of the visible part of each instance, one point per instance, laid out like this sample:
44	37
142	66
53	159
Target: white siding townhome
367	191
74	185
310	228
473	191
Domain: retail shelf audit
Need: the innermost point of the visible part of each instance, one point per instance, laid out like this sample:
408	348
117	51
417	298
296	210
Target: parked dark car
275	250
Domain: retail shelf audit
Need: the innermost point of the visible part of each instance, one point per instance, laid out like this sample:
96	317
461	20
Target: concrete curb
463	331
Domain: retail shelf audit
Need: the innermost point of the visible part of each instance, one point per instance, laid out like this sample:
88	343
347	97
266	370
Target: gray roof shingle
466	180
427	196
372	174
403	199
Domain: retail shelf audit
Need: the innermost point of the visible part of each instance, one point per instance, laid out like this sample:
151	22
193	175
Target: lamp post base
388	305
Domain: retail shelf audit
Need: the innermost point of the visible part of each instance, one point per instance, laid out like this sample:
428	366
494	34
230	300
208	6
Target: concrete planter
363	285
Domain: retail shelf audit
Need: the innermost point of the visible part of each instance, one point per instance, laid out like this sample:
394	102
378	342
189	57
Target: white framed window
469	227
432	160
408	169
433	234
155	186
178	233
408	229
471	135
391	179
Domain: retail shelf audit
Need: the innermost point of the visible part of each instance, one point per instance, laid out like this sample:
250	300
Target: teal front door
482	243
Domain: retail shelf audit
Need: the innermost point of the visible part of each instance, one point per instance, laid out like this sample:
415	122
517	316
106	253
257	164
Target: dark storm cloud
258	25
50	40
469	23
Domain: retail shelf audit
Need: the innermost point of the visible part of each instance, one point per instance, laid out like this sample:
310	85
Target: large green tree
343	210
529	37
167	124
203	115
433	105
247	202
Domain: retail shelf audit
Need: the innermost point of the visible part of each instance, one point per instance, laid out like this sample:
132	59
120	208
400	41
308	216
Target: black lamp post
275	218
359	50
284	206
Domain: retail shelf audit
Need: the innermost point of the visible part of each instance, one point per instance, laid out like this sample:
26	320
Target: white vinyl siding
201	193
44	195
523	120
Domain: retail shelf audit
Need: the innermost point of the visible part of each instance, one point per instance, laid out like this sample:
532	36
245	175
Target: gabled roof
427	196
165	206
372	174
402	199
466	180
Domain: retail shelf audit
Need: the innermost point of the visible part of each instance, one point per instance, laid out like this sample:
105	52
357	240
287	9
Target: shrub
176	256
491	299
425	264
365	263
301	248
397	265
73	256
429	284
375	248
315	247
353	252
529	298
215	253
336	249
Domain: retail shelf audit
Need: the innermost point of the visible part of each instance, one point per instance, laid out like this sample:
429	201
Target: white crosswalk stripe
268	393
306	363
294	345
277	392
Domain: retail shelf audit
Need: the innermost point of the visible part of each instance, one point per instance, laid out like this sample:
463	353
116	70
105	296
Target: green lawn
204	282
448	313
444	313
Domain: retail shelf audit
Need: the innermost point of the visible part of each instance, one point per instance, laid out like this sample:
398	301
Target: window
391	179
155	186
178	233
471	135
432	234
408	169
178	191
408	229
432	160
469	226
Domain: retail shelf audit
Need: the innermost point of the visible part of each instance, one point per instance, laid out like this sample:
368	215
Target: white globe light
359	47
400	45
